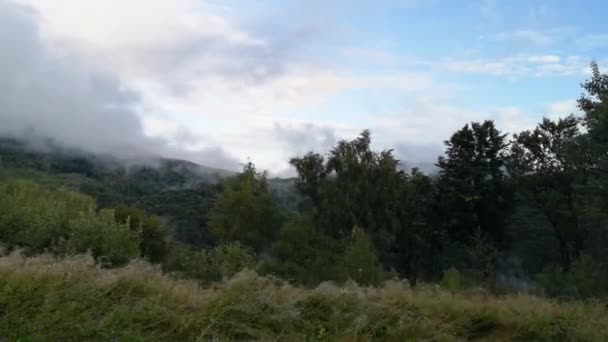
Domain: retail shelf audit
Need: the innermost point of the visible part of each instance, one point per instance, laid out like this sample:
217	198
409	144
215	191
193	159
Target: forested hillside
509	214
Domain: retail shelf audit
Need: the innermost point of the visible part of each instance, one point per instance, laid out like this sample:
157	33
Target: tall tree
358	187
245	211
418	242
354	186
594	104
543	164
473	189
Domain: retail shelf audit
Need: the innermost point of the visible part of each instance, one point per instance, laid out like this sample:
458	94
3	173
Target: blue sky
269	79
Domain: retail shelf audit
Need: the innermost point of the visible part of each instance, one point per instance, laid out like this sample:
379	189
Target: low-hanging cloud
54	93
304	138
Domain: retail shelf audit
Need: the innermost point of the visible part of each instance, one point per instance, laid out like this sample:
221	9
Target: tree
595	156
245	211
418	242
302	253
359	262
106	239
354	186
544	164
473	192
153	244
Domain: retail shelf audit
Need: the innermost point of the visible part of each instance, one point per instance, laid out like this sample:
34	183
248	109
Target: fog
49	92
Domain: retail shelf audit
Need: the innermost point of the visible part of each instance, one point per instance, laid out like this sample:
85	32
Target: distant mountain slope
180	191
52	158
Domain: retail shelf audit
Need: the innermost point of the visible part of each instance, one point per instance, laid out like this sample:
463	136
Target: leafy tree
303	254
184	261
245	211
544	165
153	244
473	191
106	239
354	186
359	262
232	258
418	242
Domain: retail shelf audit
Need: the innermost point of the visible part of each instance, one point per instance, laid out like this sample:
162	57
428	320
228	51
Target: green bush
302	254
585	278
452	280
232	258
100	234
245	211
359	262
153	246
182	261
208	266
35	218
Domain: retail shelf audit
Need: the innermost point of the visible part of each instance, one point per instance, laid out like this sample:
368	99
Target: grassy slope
45	300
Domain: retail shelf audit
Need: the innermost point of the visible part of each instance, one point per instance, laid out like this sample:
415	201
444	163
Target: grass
42	299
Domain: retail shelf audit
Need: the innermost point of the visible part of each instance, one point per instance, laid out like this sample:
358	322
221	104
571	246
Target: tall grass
42	299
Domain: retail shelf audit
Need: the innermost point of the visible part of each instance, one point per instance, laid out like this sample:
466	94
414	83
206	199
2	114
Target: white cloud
527	36
519	66
560	109
544	59
58	96
427	122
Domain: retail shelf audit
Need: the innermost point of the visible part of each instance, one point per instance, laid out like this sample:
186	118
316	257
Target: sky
222	82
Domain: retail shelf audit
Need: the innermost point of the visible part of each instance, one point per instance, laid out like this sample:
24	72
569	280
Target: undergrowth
42	299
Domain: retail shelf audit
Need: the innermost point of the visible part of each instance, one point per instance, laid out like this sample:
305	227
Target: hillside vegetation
74	300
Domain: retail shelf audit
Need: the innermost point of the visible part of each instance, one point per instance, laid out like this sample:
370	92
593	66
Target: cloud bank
50	93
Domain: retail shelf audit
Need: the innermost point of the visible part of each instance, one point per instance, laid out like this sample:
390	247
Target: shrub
103	236
182	261
232	258
245	211
359	262
34	217
452	280
302	254
153	246
585	278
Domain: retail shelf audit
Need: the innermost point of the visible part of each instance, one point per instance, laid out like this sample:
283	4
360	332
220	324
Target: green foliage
64	222
34	217
483	255
208	266
153	244
303	254
355	186
106	239
546	170
232	258
472	187
359	262
452	280
182	261
585	278
43	300
180	192
245	211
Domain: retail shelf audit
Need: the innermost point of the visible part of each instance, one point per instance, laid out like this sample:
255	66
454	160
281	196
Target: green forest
507	240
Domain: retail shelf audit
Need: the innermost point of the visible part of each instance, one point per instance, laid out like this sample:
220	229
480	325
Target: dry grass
45	300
